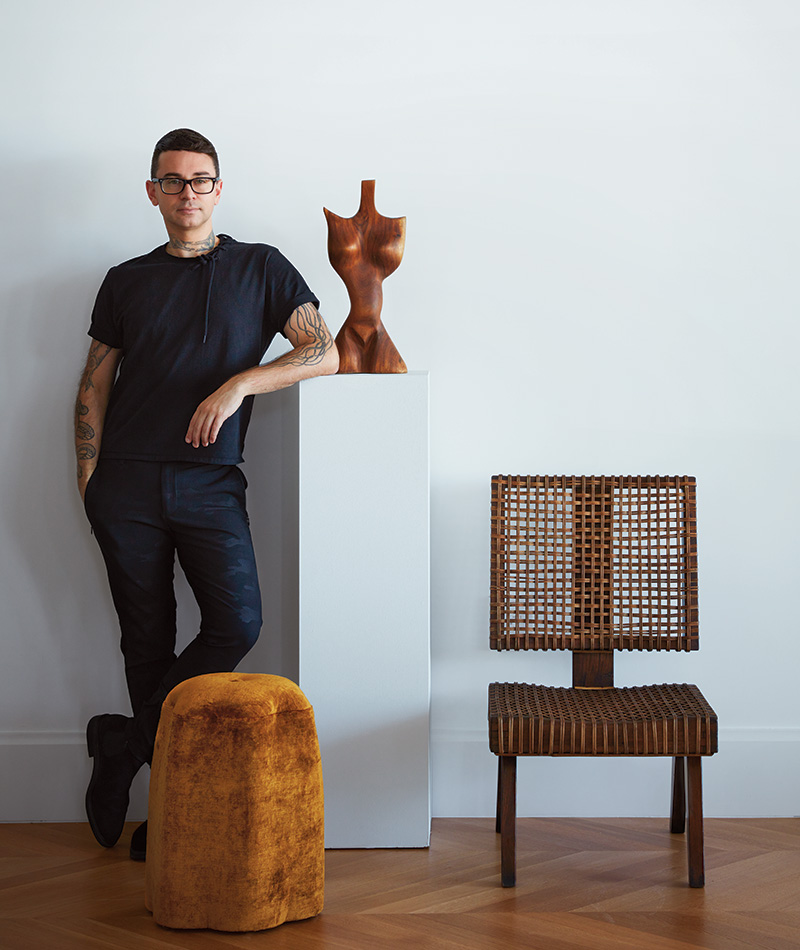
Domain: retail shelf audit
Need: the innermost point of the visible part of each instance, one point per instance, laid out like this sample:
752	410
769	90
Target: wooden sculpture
364	250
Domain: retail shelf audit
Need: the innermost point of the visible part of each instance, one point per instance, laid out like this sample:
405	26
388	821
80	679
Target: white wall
600	275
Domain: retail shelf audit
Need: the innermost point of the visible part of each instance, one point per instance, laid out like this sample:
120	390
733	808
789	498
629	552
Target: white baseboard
756	773
45	775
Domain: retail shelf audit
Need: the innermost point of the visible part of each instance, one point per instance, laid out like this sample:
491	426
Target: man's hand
212	412
313	353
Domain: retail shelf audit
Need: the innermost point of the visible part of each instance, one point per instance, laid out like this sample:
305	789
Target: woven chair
594	565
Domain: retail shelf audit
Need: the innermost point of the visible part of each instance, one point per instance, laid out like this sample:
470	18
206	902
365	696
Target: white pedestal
355	497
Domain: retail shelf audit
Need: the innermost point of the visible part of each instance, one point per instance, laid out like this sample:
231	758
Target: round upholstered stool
235	823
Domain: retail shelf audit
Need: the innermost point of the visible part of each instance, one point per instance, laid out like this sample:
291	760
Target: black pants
142	513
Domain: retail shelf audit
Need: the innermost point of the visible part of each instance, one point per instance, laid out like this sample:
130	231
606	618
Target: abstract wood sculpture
364	250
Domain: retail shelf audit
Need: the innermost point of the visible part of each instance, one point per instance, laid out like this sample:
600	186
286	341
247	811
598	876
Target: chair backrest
593	563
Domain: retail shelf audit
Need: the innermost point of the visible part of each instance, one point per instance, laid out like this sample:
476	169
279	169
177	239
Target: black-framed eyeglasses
174	186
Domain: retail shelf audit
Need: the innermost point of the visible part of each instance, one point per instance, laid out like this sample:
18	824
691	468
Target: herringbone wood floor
582	883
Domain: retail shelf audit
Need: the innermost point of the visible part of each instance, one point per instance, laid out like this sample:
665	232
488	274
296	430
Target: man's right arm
94	391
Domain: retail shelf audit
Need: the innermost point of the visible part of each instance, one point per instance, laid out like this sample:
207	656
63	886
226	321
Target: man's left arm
313	353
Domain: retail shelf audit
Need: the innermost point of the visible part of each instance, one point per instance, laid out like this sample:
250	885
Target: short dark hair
183	140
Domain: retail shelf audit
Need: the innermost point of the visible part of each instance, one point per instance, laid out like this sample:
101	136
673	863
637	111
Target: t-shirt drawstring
208	298
202	261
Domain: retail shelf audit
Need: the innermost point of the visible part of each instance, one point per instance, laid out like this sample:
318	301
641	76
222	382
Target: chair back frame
593	564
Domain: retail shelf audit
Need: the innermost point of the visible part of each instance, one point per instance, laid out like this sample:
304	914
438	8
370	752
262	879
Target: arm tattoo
84	431
86	434
306	321
97	353
82	428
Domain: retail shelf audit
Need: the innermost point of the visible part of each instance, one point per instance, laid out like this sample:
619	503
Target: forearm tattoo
85	435
97	353
306	331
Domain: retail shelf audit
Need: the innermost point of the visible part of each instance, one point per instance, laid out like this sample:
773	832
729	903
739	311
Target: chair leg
508	820
695	835
677	817
499	793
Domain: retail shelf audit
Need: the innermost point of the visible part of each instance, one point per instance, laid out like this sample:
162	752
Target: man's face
186	212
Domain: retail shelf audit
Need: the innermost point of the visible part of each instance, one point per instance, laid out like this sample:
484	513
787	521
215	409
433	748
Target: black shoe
139	843
112	773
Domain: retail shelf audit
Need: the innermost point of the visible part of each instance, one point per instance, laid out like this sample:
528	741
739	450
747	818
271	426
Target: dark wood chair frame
585	510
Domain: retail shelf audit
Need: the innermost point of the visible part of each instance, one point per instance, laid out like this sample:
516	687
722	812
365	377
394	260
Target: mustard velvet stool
235	822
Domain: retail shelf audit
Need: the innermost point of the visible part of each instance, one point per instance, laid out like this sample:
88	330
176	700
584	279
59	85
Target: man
160	422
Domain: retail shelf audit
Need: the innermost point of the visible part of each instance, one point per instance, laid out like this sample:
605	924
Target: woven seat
596	564
639	720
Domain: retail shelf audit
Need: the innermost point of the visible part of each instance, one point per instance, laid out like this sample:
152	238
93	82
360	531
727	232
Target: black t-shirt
185	326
